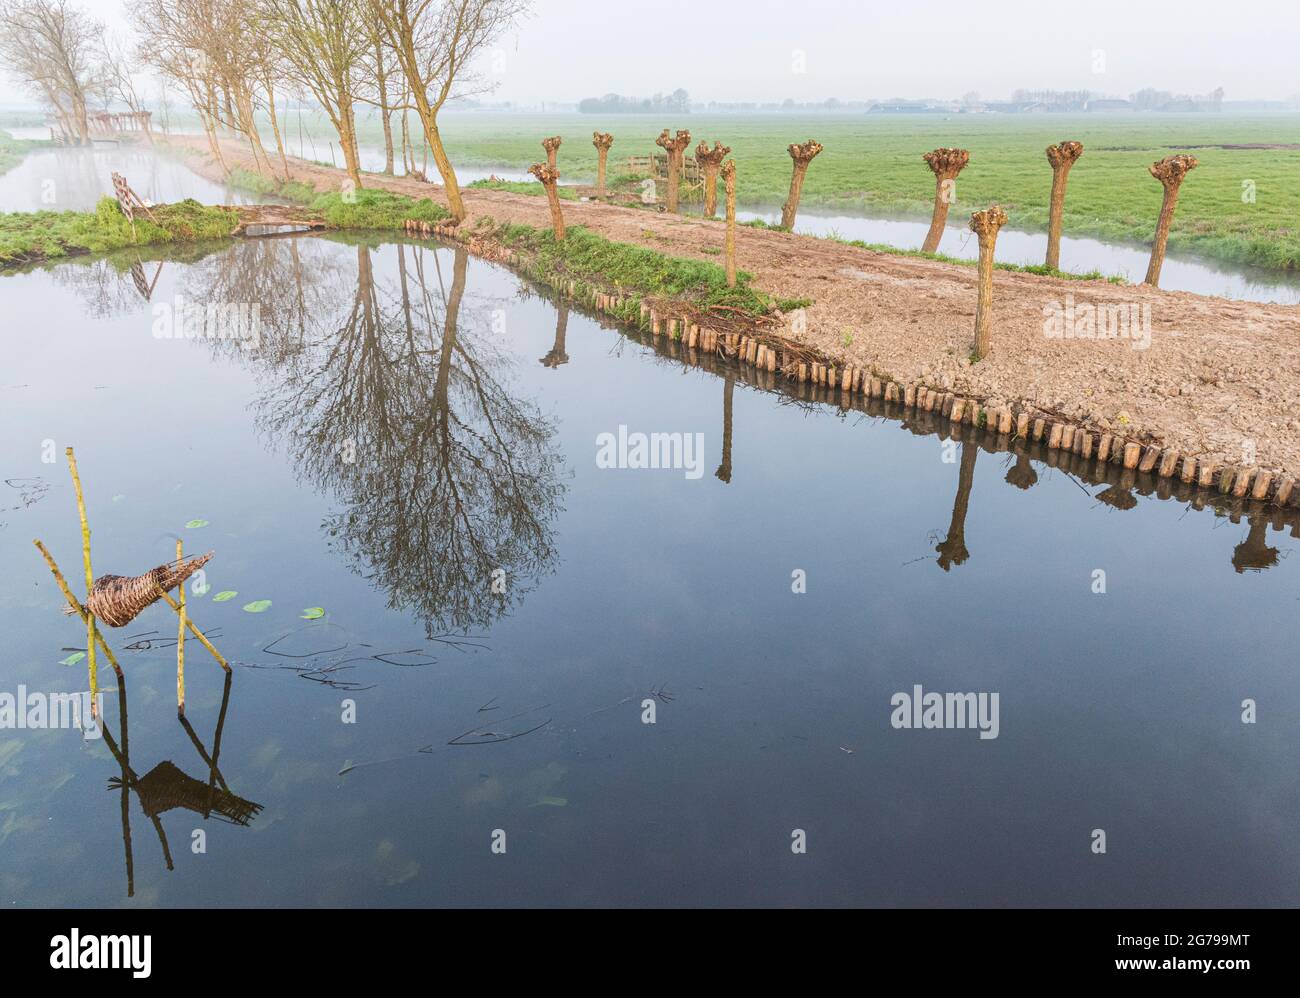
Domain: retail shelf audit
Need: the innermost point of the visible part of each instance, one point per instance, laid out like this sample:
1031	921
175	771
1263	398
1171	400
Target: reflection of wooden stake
91	665
180	640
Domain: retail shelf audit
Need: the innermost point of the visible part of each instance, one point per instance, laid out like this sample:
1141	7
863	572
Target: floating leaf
313	613
548	801
74	658
225	594
195	524
257	606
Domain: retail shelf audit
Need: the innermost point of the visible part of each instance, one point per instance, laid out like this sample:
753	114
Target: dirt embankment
1210	378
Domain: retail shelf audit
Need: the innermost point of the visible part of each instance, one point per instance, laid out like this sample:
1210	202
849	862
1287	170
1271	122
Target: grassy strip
523	187
375	209
13	150
50	234
595	261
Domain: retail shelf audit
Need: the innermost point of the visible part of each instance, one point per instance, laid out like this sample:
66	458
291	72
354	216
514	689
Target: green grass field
13	150
872	164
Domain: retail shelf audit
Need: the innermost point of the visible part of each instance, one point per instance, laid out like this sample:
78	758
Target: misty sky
744	51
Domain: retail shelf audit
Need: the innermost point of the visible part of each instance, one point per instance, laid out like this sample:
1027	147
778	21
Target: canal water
481	656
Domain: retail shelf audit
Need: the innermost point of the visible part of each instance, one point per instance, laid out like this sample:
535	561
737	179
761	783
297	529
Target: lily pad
257	606
224	595
313	613
74	658
195	524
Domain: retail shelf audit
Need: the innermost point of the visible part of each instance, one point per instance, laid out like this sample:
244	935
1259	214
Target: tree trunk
985	225
939	219
729	179
385	113
1061	157
275	128
549	175
348	141
1170	171
801	155
945	164
601	155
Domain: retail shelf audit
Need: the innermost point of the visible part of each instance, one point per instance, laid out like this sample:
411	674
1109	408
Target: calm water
416	425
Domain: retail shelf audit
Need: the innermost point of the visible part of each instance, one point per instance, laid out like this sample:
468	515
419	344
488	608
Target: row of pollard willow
773	355
94	637
945	163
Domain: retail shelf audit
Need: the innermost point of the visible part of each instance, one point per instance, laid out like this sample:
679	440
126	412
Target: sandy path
1218	379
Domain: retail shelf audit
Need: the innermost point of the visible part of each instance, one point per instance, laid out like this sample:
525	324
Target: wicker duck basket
116	600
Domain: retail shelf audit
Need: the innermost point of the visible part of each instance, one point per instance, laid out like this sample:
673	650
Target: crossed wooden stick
145	589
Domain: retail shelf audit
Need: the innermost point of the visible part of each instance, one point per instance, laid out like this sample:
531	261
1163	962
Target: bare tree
51	48
802	155
710	161
434	42
945	164
324	45
1170	171
675	147
602	141
1062	157
118	78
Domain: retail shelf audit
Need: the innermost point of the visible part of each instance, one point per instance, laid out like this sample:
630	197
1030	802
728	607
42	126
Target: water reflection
392	396
166	787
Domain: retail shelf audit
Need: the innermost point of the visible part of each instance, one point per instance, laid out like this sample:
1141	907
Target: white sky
734	50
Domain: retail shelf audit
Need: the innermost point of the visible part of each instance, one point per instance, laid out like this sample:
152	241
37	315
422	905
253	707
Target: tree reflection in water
391	397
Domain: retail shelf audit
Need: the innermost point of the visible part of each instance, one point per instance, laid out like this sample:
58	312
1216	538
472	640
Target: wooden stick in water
91	665
77	608
196	632
180	640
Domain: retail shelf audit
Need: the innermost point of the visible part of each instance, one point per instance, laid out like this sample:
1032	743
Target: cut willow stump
986	225
729	179
710	161
1170	171
552	146
945	164
549	176
802	155
675	147
1062	157
602	141
119	599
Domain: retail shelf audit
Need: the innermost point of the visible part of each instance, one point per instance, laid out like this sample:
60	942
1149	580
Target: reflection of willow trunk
724	469
729	179
952	551
552	147
1254	554
602	141
556	355
985	224
549	176
1170	171
802	156
675	148
1061	157
710	161
945	164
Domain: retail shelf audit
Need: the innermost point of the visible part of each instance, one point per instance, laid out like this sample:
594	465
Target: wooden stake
180	639
91	665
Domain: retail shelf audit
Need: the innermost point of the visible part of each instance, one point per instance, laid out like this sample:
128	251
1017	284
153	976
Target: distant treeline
677	102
